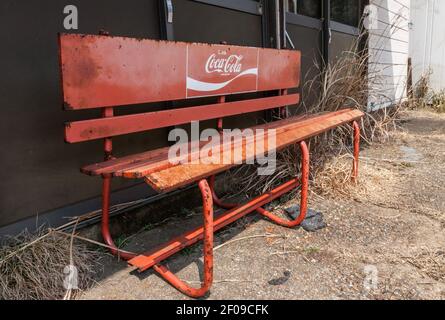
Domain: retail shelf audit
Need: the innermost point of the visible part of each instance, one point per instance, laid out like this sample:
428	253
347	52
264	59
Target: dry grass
345	83
430	262
438	102
424	97
32	266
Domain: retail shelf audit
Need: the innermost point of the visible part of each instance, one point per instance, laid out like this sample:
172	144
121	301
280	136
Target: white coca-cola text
228	65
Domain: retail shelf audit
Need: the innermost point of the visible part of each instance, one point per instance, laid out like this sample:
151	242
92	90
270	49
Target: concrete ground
385	239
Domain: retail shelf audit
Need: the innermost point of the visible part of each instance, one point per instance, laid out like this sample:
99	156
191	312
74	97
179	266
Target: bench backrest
107	72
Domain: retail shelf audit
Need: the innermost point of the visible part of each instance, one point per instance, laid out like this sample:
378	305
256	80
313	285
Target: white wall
388	52
427	40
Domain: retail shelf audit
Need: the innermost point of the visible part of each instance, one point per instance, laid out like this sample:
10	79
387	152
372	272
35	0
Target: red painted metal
106	189
146	261
283	110
165	273
303	195
356	151
103	71
105	223
108	142
92	129
221	99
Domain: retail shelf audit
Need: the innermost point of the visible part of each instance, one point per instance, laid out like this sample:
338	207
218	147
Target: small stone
314	220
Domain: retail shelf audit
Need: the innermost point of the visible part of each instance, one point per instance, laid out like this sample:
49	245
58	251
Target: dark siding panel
39	172
340	42
308	41
197	22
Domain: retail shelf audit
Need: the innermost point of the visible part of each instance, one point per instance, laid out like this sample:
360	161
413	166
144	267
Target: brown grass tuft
345	83
32	266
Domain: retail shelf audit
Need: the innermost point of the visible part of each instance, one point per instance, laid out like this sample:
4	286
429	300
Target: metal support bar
303	196
170	277
283	110
105	223
106	189
148	260
211	225
282	24
326	35
166	19
356	151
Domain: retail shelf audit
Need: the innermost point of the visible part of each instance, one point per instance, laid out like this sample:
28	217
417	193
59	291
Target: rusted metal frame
163	271
146	261
303	194
170	277
283	110
105	222
106	189
356	127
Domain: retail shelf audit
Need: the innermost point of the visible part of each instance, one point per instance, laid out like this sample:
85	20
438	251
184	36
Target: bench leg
106	184
170	277
162	270
356	151
303	196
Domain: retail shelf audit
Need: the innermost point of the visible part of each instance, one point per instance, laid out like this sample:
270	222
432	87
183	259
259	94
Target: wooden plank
140	170
109	127
182	175
117	166
104	71
138	165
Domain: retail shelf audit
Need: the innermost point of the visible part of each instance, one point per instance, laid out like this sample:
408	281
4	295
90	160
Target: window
345	11
310	8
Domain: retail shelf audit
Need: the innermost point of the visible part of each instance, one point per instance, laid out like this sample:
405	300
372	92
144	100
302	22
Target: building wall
428	41
388	51
39	171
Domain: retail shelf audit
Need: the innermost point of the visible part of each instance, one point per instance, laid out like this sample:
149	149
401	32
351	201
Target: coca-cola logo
216	70
224	64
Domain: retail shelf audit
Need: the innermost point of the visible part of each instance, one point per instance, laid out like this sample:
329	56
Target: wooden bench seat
302	127
182	175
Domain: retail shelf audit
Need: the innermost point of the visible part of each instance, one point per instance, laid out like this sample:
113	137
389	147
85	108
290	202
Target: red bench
107	72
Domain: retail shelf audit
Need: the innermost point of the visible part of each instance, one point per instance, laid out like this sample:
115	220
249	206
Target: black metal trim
304	21
344	28
282	14
165	27
265	23
326	27
247	6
